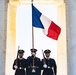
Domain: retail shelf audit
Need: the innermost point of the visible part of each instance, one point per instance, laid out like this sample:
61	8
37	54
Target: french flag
39	20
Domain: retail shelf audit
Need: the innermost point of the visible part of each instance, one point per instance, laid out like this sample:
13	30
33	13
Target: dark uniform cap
47	51
20	51
33	50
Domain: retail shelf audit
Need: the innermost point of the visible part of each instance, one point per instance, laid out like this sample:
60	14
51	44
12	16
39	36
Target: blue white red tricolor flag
39	20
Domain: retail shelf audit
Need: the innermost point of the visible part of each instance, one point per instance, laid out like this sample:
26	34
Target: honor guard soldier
20	63
49	64
34	64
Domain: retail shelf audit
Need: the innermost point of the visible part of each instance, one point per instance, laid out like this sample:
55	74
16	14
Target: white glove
15	67
25	69
45	66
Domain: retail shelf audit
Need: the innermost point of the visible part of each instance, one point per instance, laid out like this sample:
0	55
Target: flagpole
33	70
32	32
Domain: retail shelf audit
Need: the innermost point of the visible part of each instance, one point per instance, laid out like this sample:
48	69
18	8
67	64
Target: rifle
44	61
17	56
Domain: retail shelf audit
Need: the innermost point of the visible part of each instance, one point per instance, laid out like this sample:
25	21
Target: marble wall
71	17
1	32
3	27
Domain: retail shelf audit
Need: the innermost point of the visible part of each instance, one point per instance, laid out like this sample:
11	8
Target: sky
24	30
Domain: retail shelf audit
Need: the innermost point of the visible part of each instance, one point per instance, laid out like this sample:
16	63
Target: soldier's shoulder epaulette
24	59
28	57
52	59
38	58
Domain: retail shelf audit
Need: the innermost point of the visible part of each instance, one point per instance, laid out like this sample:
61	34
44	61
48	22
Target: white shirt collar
20	58
47	57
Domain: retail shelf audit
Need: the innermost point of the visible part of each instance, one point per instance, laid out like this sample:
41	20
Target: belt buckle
48	66
20	68
33	70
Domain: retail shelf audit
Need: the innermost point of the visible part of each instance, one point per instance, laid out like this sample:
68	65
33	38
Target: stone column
62	42
1	33
11	39
71	16
4	35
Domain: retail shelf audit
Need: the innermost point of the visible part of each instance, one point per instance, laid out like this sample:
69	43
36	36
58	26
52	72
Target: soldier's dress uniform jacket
22	63
51	67
37	66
